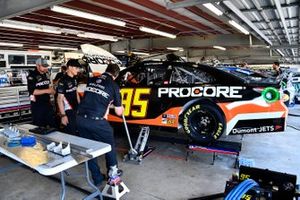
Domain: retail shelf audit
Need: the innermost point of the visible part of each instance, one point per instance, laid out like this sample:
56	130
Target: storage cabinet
14	104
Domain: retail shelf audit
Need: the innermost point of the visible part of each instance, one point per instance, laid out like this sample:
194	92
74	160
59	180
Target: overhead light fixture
280	52
219	47
58	48
239	27
8	44
97	36
156	32
175	48
86	15
29	26
55	30
134	52
213	9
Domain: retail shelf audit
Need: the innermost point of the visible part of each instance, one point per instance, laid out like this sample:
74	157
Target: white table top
60	163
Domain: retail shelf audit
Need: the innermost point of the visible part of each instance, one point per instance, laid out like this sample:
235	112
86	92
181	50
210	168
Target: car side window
131	78
156	75
190	75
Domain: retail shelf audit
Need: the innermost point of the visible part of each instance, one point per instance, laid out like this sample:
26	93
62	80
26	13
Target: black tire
203	122
287	103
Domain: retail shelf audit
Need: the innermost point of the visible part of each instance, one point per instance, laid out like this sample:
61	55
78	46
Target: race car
205	101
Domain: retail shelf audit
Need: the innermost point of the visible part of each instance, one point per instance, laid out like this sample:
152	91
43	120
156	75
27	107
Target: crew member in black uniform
101	92
40	90
68	97
277	69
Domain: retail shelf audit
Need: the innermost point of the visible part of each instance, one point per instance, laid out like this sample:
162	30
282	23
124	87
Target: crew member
60	74
101	92
40	90
277	69
68	97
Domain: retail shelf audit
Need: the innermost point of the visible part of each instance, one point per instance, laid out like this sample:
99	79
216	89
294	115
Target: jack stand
140	149
115	188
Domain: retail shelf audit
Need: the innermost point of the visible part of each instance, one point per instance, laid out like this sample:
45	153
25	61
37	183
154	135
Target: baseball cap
43	62
74	63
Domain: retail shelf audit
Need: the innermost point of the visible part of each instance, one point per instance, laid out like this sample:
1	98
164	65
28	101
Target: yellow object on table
33	156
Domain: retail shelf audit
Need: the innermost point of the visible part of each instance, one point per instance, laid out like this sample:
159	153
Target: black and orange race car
205	101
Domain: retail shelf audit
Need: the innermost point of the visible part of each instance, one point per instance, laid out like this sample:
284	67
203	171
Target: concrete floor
165	174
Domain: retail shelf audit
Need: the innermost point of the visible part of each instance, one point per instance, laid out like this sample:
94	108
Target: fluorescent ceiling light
213	9
219	47
156	32
55	30
280	52
175	48
29	26
134	52
239	27
97	36
10	44
59	48
86	15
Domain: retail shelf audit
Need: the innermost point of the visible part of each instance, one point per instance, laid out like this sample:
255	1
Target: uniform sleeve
31	82
117	96
61	89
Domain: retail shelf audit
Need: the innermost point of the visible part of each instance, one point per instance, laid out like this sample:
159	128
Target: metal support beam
233	40
188	3
276	20
246	20
265	17
12	8
281	15
128	46
271	7
286	46
280	29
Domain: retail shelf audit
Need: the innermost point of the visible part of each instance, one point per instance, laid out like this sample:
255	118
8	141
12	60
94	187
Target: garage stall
168	97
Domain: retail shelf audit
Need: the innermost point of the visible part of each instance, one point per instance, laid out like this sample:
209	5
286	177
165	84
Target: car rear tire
203	122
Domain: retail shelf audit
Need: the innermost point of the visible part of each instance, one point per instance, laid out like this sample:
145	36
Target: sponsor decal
199	91
71	90
261	129
219	131
42	83
100	59
98	91
278	127
39	78
168	119
186	116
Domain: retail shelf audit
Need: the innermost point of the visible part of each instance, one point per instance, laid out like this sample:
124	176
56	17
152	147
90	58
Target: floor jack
139	151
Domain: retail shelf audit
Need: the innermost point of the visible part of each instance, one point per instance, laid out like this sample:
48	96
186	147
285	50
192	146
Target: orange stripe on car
251	108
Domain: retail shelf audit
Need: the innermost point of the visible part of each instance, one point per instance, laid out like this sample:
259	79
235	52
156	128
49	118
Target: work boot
114	171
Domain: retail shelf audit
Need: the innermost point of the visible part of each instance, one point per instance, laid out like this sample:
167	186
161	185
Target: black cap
74	63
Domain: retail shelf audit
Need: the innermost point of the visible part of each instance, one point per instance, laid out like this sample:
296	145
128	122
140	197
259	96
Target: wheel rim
204	123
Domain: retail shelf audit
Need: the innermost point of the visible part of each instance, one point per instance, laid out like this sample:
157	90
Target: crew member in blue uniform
68	97
100	94
40	90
